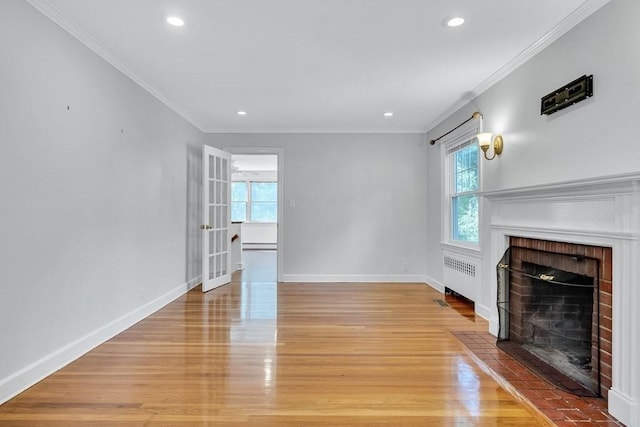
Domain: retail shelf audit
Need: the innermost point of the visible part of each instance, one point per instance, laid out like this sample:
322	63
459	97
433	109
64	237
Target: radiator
461	275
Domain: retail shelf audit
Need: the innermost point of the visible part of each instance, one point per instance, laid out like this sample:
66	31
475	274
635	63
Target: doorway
256	208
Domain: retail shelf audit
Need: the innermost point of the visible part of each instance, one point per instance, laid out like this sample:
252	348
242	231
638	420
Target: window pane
264	192
238	191
238	211
464	219
465	173
264	211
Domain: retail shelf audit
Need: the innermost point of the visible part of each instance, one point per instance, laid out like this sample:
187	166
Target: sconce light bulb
484	140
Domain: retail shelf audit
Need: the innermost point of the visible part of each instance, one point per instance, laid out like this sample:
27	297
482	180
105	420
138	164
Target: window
464	186
254	201
264	197
239	199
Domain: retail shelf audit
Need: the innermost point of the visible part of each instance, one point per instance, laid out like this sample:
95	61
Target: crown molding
360	131
64	22
585	10
578	15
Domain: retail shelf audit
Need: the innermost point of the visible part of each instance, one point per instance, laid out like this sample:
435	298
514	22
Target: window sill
259	223
469	249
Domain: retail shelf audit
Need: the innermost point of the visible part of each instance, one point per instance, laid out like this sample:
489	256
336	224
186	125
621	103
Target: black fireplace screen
548	311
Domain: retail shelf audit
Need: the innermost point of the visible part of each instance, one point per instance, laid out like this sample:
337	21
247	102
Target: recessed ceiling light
241	113
175	21
388	114
455	21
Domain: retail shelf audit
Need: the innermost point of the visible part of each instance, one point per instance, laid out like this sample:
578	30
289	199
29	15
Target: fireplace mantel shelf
605	233
605	185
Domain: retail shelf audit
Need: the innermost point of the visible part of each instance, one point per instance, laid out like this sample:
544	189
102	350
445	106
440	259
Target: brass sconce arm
485	140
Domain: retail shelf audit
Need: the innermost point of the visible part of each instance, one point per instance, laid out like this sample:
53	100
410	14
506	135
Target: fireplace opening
549	316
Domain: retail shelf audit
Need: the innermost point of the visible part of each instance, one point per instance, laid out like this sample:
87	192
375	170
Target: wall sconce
484	141
484	138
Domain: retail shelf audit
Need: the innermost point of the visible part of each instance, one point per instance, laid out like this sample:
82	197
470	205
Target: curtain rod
475	115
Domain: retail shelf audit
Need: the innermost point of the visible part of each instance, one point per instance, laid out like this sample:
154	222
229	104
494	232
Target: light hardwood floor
256	353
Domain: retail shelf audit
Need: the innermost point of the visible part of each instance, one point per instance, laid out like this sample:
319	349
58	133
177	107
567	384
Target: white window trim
467	133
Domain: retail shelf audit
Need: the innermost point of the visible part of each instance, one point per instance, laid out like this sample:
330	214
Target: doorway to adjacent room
256	208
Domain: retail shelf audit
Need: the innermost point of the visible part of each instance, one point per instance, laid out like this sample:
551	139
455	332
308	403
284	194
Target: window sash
463	188
239	191
238	211
464	218
465	169
264	211
264	191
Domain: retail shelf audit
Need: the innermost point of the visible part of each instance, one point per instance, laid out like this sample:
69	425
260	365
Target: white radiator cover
461	274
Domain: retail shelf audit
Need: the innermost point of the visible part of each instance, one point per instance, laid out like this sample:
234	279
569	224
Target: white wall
360	204
594	138
94	199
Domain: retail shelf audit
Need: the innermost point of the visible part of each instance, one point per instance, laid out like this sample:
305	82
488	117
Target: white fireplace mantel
603	211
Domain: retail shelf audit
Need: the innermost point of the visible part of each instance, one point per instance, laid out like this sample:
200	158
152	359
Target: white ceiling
315	65
255	162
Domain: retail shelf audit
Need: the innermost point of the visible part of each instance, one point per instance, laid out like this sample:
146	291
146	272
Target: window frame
248	217
465	137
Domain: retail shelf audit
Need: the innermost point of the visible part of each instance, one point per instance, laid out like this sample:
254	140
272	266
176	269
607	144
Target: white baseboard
483	311
193	283
259	246
29	375
494	326
354	278
435	284
625	409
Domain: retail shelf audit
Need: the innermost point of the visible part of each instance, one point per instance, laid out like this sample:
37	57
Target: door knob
205	227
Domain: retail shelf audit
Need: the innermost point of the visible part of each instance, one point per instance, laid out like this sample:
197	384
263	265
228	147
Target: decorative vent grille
462	266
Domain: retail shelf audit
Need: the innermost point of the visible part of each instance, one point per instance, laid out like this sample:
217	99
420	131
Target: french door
216	201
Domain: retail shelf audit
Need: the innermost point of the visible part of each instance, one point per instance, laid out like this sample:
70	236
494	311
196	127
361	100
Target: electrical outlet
405	267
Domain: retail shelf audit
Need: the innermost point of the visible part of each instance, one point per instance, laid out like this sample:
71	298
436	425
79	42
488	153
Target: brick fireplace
556	314
596	218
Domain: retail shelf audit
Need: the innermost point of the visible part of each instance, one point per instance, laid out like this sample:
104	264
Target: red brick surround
603	256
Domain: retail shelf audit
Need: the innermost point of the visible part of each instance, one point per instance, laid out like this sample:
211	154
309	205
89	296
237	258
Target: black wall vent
569	94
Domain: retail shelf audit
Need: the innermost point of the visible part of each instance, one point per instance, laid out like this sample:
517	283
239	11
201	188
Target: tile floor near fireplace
562	408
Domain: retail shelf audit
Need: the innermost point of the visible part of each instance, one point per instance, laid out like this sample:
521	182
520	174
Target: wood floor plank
261	354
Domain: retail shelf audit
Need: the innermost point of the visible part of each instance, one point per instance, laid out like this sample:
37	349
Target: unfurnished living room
319	213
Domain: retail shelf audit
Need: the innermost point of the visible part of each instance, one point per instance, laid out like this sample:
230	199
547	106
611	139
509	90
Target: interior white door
216	200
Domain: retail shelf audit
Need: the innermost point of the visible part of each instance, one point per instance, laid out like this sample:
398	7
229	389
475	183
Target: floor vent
459	265
441	303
